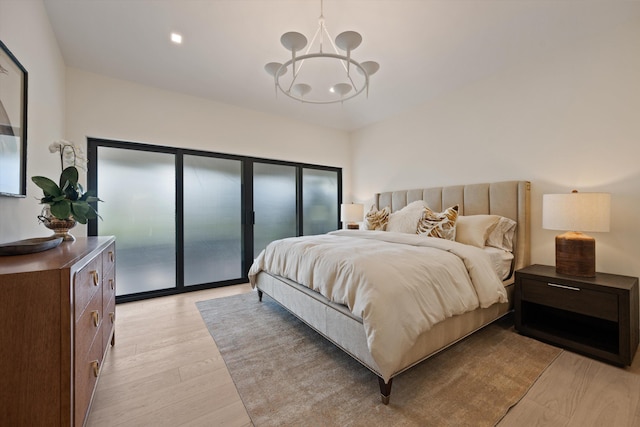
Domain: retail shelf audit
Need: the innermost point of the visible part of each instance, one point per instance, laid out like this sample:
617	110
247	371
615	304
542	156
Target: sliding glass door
212	213
320	200
274	203
186	219
138	189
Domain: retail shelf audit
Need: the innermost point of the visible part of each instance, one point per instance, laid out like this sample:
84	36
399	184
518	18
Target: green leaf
69	174
61	209
48	187
80	208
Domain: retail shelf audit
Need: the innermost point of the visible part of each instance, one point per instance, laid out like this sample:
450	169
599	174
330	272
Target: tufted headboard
507	198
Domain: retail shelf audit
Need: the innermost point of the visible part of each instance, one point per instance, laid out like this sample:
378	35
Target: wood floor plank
171	340
192	407
233	415
165	357
562	386
214	364
116	394
611	399
146	405
531	414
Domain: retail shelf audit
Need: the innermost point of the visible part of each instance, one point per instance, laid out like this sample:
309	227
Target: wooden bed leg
385	390
259	295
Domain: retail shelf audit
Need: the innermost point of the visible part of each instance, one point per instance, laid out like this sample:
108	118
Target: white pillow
406	219
501	236
475	229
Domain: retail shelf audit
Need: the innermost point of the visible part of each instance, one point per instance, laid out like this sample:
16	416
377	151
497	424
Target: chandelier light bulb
341	89
301	89
371	67
273	67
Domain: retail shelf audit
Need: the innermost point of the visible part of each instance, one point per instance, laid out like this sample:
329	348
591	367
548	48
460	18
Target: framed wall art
13	125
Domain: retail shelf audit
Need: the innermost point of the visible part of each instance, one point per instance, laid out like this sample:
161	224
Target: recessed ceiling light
176	38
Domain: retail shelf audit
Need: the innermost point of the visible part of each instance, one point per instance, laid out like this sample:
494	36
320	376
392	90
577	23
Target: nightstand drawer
572	298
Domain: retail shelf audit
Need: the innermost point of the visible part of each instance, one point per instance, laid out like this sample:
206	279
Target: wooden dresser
57	314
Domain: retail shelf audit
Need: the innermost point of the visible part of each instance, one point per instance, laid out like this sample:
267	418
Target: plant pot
60	227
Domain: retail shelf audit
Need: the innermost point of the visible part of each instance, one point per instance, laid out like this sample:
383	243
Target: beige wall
99	106
568	120
25	30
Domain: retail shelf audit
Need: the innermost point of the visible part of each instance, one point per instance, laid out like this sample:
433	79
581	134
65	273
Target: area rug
289	375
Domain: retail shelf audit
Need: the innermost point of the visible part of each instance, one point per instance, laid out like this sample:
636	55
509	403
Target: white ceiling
424	47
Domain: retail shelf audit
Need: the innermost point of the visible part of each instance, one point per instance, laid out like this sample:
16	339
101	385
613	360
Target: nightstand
597	317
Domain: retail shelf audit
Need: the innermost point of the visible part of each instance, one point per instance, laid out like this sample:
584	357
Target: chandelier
322	67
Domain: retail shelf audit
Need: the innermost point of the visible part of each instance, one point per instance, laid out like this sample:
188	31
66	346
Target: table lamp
576	213
352	214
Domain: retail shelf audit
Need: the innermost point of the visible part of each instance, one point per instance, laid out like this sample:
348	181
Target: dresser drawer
89	326
601	305
109	321
109	284
109	259
87	369
86	282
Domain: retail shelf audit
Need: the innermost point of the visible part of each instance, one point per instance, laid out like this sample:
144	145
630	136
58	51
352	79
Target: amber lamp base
576	254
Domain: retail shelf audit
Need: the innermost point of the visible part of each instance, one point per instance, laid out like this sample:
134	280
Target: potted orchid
67	202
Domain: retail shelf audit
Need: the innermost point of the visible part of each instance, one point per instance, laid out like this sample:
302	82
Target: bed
351	325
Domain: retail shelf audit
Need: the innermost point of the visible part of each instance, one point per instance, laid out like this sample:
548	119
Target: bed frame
337	324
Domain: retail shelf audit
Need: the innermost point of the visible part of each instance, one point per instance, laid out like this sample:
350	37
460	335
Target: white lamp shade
589	212
352	212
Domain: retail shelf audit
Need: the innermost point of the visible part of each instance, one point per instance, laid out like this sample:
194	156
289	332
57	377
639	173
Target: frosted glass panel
274	204
139	189
319	201
212	220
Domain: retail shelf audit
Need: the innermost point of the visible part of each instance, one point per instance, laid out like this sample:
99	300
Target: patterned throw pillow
439	224
377	219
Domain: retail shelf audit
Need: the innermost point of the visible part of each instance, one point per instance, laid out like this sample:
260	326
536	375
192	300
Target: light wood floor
165	370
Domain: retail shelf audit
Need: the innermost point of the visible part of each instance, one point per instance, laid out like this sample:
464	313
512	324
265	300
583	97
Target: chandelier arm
324	55
293	80
315	36
352	83
335	48
301	62
348	60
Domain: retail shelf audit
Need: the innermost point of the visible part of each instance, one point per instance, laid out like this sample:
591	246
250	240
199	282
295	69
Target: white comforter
399	284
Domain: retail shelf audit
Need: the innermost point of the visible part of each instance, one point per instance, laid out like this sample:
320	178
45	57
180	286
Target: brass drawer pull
111	284
96	277
112	315
571	288
111	256
96	368
96	317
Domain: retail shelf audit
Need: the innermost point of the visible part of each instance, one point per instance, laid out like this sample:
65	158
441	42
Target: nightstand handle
571	288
